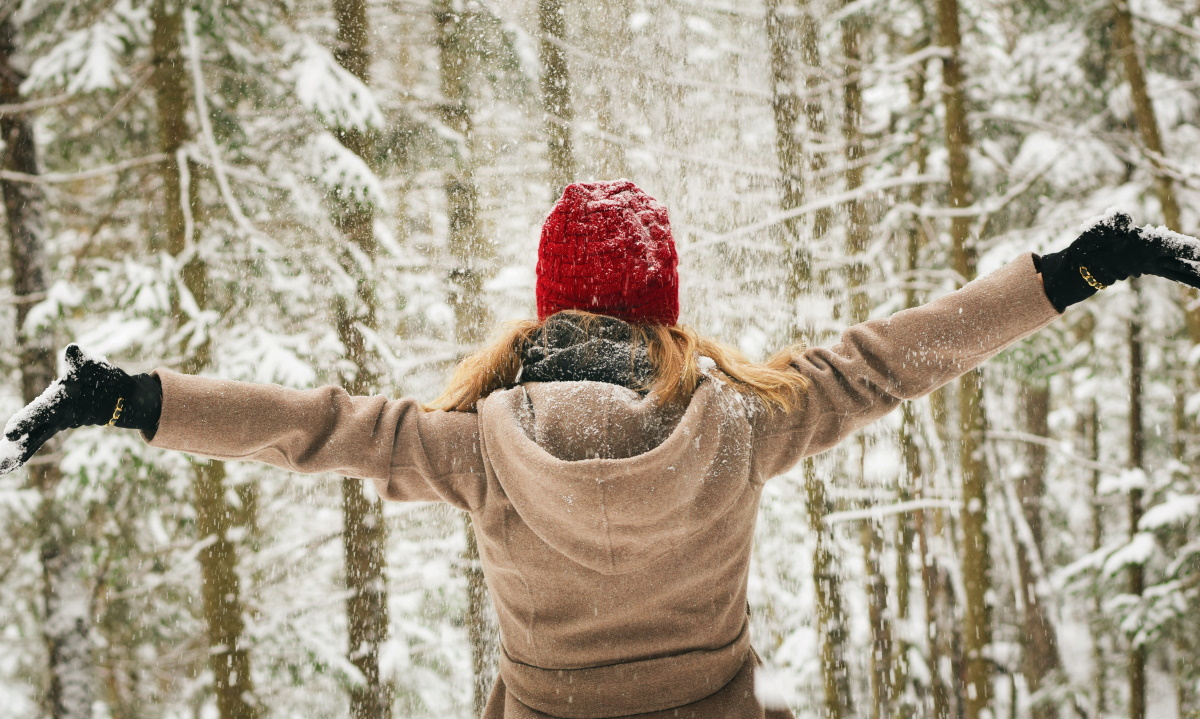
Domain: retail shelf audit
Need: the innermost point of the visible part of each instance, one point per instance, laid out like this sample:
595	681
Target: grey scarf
563	350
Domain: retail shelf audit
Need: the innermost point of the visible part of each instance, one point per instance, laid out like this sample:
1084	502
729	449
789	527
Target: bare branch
54	178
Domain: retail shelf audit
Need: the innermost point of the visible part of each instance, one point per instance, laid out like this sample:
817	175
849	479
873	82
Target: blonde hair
674	352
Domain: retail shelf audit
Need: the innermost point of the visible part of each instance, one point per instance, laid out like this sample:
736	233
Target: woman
611	460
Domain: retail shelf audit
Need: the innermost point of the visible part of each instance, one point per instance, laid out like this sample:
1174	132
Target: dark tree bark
67	618
229	658
831	615
976	558
365	534
1136	575
556	93
783	23
1040	662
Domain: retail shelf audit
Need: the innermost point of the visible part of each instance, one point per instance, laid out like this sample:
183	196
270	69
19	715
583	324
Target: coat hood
609	478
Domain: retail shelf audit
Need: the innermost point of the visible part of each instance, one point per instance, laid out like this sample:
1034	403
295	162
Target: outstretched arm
879	363
411	455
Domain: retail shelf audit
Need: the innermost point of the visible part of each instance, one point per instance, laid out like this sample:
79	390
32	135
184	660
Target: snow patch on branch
1176	510
1123	483
344	173
336	96
88	59
1137	551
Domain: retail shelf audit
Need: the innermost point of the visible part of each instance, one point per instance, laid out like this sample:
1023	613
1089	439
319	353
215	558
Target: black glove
87	394
1112	249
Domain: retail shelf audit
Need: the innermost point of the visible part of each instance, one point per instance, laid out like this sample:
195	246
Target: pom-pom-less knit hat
606	247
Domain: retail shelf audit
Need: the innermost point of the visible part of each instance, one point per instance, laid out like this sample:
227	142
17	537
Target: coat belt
633	687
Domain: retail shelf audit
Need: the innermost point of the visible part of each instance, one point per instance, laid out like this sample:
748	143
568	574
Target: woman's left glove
1112	249
91	392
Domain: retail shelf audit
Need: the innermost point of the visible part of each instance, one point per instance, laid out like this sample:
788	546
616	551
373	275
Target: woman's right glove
1112	249
91	392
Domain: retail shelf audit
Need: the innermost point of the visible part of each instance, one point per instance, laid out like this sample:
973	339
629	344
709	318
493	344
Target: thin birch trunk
471	255
66	597
977	624
365	536
556	93
1136	575
229	659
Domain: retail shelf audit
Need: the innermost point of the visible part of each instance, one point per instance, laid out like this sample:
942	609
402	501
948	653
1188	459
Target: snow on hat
607	248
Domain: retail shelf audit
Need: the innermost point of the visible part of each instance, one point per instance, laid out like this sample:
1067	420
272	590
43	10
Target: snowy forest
349	193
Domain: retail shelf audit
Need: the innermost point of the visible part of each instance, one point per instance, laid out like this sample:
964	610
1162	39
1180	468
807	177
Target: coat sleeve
879	363
410	454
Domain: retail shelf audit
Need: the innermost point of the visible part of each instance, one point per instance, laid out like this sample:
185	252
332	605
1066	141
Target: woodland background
308	193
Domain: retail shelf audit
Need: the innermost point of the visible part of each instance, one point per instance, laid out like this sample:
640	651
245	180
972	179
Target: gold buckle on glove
116	411
1087	277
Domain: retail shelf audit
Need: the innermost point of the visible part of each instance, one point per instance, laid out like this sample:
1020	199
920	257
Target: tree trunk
1040	662
831	617
556	93
1125	47
221	594
1099	663
786	39
977	627
912	484
858	234
936	608
470	254
229	658
365	534
1137	571
814	109
67	615
783	39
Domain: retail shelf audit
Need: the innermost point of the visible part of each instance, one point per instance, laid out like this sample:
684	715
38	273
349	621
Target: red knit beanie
607	248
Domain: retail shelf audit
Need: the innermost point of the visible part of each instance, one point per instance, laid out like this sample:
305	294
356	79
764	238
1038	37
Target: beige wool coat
615	535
